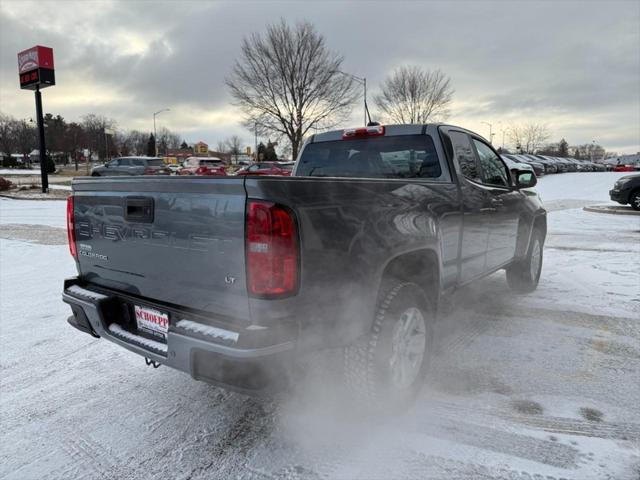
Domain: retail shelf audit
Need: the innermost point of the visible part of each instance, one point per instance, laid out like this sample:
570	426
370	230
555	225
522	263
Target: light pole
155	136
490	131
362	81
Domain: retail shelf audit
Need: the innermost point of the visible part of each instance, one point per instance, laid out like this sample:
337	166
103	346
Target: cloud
576	68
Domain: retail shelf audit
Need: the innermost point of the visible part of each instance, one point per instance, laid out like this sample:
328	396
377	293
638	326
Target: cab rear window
406	156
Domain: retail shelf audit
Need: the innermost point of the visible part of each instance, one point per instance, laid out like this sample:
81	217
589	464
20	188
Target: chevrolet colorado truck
232	279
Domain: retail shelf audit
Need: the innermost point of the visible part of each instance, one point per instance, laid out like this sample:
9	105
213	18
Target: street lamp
362	81
490	131
155	136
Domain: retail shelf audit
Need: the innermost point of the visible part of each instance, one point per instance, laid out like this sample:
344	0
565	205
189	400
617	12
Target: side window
253	168
114	163
492	169
137	162
463	153
124	162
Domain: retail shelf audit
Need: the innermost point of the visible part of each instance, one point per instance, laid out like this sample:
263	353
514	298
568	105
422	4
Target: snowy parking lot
523	387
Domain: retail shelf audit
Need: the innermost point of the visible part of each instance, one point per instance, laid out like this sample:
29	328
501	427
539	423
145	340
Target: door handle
497	202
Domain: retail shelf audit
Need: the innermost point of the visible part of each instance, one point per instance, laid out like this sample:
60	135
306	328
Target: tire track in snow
88	459
621	431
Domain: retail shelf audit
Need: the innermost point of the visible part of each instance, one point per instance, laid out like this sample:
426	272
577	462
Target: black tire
95	174
369	369
634	200
523	276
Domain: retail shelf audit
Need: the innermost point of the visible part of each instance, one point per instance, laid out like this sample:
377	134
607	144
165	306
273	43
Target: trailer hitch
151	363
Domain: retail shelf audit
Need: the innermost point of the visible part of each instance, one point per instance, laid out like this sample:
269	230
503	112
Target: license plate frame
151	321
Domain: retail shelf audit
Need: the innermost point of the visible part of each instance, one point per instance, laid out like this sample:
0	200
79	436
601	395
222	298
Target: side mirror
526	179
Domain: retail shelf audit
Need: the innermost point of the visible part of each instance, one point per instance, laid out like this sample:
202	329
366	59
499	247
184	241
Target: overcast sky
572	65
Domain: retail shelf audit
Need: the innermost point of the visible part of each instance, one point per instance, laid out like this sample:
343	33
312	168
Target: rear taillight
71	232
271	249
374	131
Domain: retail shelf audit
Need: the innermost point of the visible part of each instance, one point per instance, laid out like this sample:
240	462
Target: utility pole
106	146
155	135
490	131
255	131
362	81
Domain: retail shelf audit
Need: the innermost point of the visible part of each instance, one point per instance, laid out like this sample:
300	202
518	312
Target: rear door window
155	162
464	156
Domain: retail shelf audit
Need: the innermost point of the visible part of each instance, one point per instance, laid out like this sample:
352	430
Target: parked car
267	168
548	165
174	168
599	167
626	190
624	168
514	167
211	166
131	166
375	227
584	165
538	167
560	167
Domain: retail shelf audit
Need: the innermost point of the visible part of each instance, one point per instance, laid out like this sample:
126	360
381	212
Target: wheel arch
632	193
421	267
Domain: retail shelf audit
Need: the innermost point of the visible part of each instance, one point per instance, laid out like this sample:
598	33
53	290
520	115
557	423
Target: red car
203	166
267	168
624	168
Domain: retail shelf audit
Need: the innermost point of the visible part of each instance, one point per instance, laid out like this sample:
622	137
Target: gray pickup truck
231	279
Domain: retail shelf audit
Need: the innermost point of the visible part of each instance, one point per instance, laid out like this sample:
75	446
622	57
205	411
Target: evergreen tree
270	153
184	146
262	152
151	146
563	148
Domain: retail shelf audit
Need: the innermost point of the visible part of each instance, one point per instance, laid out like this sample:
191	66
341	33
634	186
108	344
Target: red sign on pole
35	67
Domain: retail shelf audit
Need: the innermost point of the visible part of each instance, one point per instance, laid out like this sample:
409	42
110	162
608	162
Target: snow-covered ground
523	387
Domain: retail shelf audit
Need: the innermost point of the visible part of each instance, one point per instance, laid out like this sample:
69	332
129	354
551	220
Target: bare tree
137	142
94	127
234	146
25	135
528	137
7	134
414	95
167	139
221	146
287	82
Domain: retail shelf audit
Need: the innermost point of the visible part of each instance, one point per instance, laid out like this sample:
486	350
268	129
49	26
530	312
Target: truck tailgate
176	240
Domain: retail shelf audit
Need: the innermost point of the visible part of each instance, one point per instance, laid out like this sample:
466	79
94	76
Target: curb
17	197
612	210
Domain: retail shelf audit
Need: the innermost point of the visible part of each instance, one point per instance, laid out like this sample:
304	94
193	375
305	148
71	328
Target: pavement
542	386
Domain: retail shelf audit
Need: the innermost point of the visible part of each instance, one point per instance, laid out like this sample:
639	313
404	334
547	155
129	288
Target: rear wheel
634	200
389	364
95	174
523	276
